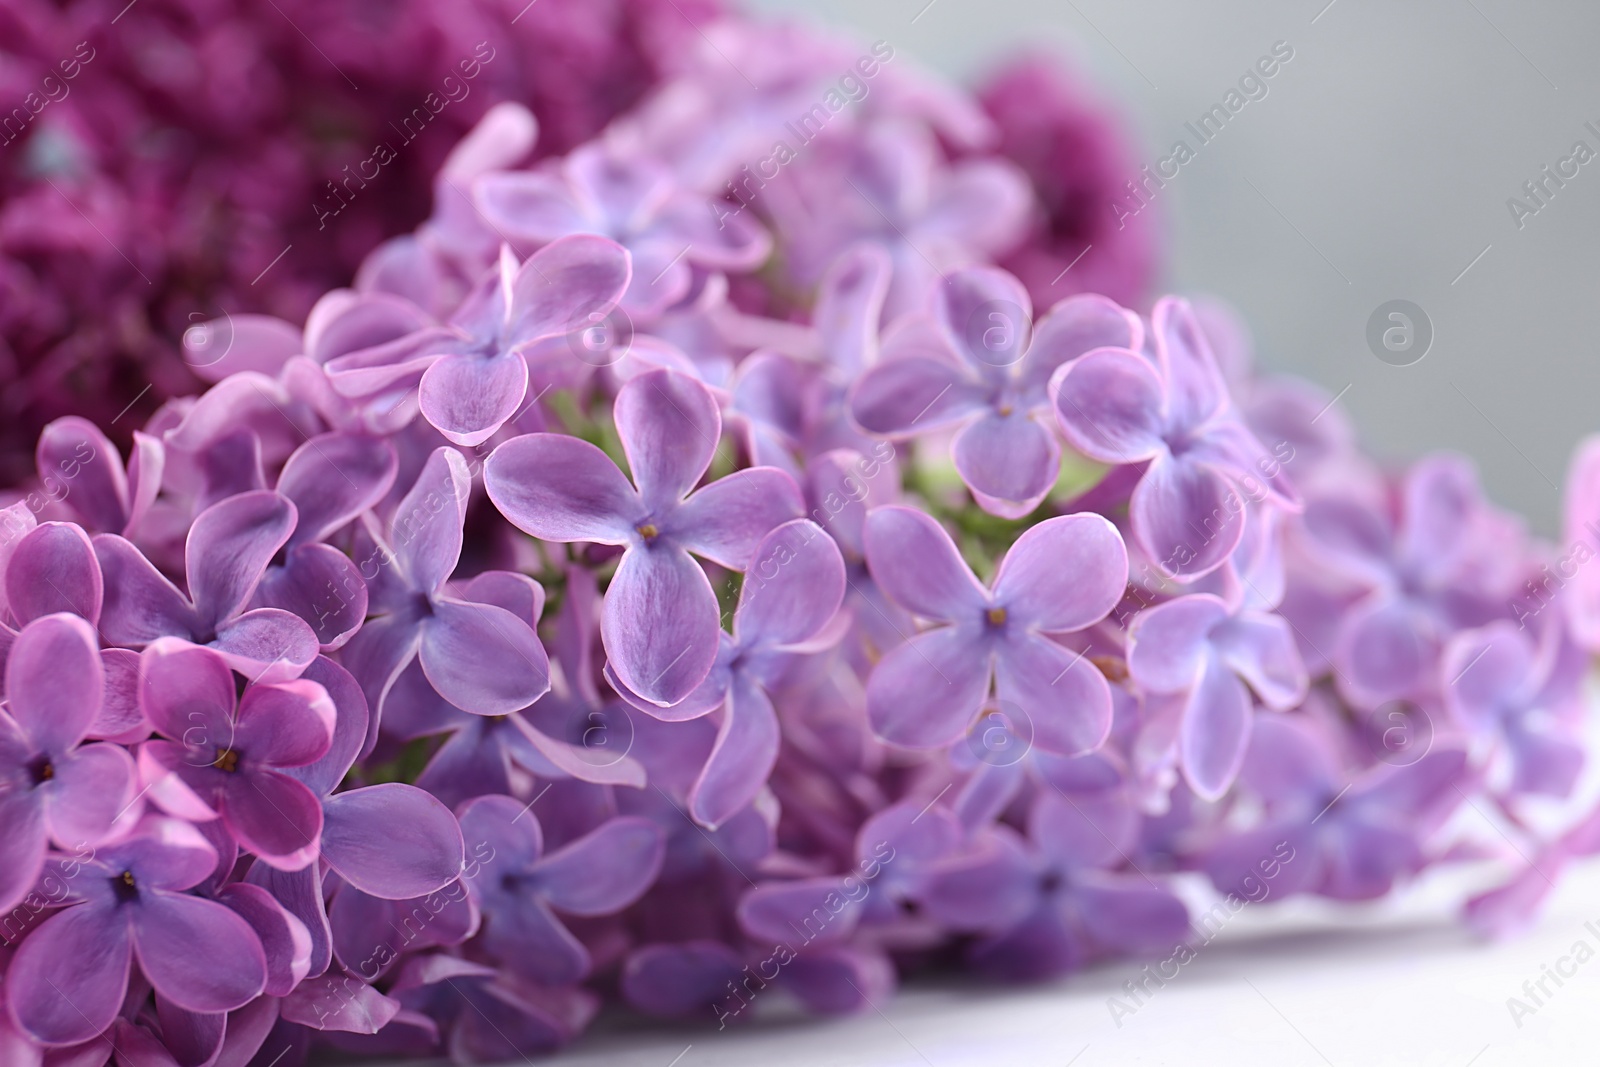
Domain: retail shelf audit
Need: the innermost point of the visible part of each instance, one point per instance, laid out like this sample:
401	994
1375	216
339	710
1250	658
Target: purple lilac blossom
886	627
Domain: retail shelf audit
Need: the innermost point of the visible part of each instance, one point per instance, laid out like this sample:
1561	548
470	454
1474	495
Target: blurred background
1377	167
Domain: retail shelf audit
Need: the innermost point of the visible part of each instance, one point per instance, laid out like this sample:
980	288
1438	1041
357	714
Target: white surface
1297	984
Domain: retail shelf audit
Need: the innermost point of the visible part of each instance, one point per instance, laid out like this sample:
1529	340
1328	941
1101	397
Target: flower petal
660	626
334	477
285	940
987	316
558	488
267	644
1195	390
228	970
605	870
140	604
53	568
22	845
91	787
1260	648
68	977
228	548
927	692
1168	644
54	682
1077	325
916	564
669	425
73	453
1063	574
393	841
425	532
793	587
913	394
285	725
1109	405
1010	462
723	521
320	585
468	397
1065	697
482	658
742	759
570	283
1215	730
1187	517
274	816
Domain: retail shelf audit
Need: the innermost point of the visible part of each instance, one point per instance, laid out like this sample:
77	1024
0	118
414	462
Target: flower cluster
688	570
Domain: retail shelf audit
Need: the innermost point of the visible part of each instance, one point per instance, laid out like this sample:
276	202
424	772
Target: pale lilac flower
479	656
1061	576
1172	412
981	365
791	593
598	874
226	553
660	621
1499	683
634	201
1194	657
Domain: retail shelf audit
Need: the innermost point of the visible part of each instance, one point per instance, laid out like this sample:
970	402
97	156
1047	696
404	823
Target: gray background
1377	168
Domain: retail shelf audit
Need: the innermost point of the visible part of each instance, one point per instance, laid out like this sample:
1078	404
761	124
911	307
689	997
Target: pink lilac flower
67	980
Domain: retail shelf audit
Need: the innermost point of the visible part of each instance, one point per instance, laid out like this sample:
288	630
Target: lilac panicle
678	569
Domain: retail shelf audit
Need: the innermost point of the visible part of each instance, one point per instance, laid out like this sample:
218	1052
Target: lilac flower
330	479
1416	578
479	656
1061	576
633	201
792	592
887	186
476	379
1197	656
53	787
68	978
223	753
660	621
1053	903
74	454
983	367
598	874
227	551
488	1016
1499	684
1118	406
1350	841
